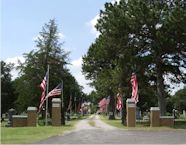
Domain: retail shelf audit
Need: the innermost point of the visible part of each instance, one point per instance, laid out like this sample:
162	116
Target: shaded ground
102	133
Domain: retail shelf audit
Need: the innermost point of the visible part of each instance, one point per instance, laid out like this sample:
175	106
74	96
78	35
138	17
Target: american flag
43	87
103	105
103	102
134	84
55	92
118	102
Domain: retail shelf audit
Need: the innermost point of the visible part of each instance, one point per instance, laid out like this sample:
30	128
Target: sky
22	20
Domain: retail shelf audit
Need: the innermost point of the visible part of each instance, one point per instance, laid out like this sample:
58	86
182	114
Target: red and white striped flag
55	92
118	102
43	87
134	84
103	105
103	102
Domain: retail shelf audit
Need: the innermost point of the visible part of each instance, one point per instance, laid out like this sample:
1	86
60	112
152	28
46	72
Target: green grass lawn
115	123
22	135
179	124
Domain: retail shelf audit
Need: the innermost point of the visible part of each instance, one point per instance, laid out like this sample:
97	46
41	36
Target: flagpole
62	93
62	105
75	102
46	121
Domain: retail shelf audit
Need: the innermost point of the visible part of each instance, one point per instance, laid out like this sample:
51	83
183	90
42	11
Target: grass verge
115	123
179	124
23	135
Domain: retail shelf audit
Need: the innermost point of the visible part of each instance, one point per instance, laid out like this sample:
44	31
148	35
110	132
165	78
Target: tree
162	37
146	37
49	52
7	89
179	100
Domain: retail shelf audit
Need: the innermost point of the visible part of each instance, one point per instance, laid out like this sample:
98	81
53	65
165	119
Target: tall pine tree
49	52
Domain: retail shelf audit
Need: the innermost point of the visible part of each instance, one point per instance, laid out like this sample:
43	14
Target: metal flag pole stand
46	111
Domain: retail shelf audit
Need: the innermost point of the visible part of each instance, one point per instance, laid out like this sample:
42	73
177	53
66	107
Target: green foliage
93	108
144	125
146	37
49	52
179	100
7	89
180	124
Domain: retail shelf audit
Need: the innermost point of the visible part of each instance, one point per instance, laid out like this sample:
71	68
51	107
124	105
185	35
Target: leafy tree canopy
7	90
144	36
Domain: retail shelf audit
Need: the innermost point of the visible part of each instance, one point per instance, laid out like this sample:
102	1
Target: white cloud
92	24
15	61
94	21
61	35
75	69
77	63
113	1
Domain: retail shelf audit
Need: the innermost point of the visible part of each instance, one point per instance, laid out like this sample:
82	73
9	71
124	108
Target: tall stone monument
32	116
131	113
56	112
155	116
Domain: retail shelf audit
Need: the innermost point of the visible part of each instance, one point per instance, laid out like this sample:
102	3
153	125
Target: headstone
11	112
138	113
184	113
3	117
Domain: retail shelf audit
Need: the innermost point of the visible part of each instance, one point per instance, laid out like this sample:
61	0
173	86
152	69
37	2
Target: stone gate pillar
56	112
32	116
155	116
131	113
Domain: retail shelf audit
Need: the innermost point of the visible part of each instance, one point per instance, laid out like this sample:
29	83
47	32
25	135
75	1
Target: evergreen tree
49	52
7	89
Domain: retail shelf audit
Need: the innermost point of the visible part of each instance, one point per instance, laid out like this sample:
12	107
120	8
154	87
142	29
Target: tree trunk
160	88
123	117
112	107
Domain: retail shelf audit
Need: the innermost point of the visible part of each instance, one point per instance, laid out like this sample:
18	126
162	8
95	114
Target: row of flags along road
105	101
